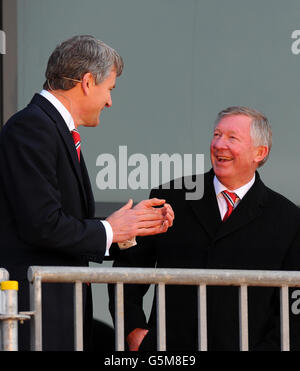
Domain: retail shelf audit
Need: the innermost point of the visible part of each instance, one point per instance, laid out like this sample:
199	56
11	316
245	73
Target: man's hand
135	338
142	220
166	210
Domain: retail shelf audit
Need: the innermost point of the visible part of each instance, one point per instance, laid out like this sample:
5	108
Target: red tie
76	138
230	199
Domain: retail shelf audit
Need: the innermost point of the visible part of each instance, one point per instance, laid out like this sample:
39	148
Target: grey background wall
185	60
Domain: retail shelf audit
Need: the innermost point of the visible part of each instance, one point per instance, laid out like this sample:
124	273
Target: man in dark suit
47	205
239	223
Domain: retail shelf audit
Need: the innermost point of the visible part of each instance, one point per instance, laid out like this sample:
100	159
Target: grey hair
260	129
75	57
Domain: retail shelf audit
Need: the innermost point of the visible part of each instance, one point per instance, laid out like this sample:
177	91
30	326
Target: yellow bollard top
10	285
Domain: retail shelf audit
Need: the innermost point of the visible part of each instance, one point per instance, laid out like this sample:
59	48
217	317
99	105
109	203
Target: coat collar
65	134
207	211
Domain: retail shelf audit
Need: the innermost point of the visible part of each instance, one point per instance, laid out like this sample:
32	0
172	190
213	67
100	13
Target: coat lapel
88	189
65	135
206	209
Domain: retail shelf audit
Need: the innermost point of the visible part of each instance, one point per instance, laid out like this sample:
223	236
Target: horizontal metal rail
218	277
162	277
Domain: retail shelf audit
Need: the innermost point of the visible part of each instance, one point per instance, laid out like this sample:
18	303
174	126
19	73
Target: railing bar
284	318
202	318
168	276
36	308
119	316
161	277
243	318
161	317
78	317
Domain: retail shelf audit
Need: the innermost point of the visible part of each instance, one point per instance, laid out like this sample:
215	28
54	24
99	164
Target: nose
219	142
109	102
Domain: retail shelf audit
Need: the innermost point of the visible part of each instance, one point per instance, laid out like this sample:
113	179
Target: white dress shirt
240	192
71	126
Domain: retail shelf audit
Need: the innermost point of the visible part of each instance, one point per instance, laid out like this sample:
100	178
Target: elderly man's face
234	157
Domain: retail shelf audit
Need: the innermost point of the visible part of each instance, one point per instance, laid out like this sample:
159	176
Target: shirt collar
60	107
240	192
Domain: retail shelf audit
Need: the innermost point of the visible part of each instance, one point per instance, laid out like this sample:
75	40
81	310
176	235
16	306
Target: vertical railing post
243	318
119	315
36	308
284	318
10	325
161	317
202	318
78	316
4	276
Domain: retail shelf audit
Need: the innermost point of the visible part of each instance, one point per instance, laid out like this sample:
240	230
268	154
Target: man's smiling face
233	155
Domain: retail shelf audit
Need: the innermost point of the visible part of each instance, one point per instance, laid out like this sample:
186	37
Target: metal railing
160	277
9	316
4	276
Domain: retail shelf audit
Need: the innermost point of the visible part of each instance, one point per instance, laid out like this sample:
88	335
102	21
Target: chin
221	173
91	125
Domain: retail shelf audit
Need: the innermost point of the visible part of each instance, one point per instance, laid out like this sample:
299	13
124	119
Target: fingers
129	221
154	230
150	224
169	214
164	213
169	219
168	210
150	203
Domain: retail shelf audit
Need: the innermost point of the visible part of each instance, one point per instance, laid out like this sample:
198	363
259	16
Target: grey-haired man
47	205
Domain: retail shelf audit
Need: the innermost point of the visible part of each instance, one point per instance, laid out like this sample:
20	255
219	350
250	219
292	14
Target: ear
87	82
261	153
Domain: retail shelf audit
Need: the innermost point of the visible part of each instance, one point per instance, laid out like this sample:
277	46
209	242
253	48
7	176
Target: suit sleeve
28	158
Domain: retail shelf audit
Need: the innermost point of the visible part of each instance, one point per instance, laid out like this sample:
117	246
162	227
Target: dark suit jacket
47	212
262	233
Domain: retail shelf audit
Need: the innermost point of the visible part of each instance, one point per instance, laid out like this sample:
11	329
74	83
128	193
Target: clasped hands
143	219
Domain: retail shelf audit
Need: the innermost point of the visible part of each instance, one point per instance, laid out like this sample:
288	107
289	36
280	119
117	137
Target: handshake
143	219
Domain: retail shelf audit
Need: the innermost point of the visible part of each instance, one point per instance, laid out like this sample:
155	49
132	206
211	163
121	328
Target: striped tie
230	199
76	138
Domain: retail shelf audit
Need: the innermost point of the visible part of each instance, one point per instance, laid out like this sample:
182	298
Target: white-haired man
238	224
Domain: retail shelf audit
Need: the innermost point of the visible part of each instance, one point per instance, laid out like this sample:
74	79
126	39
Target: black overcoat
262	233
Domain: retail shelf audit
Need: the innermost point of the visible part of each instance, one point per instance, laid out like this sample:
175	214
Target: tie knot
75	134
230	197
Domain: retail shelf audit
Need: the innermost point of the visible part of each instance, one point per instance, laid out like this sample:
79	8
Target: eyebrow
229	132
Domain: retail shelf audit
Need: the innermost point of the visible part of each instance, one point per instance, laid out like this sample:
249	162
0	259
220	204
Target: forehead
235	123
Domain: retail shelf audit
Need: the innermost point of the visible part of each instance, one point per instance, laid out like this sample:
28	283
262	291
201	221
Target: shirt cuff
109	235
